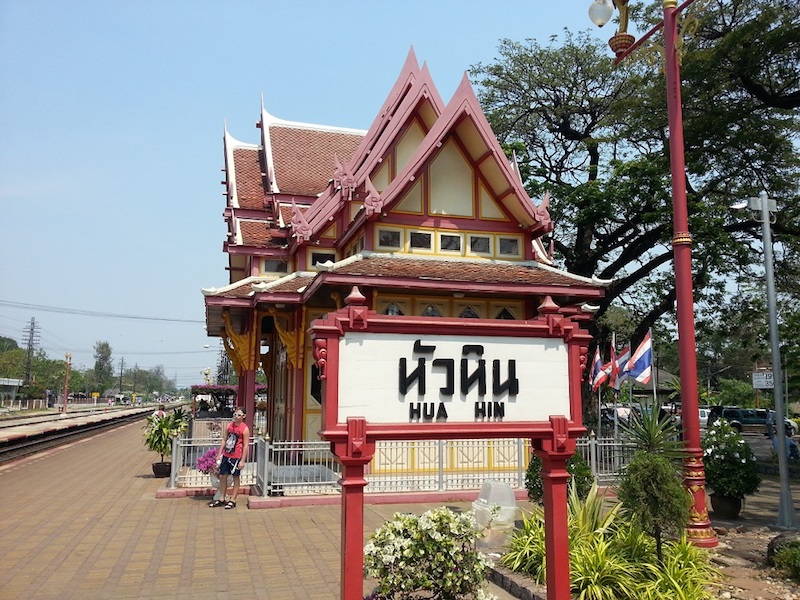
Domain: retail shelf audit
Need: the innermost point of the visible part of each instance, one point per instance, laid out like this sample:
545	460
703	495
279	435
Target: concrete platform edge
261	502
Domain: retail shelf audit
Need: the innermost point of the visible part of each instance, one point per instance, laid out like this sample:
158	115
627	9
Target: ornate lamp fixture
601	11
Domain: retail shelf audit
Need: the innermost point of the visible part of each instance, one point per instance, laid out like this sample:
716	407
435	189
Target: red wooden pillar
554	454
246	394
354	454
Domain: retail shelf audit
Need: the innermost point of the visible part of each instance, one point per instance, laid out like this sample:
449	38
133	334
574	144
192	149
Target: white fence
284	468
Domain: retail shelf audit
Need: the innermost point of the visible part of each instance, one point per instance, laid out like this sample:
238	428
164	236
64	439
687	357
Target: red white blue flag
640	365
599	375
622	373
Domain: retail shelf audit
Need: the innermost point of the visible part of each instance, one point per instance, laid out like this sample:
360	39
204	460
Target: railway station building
423	212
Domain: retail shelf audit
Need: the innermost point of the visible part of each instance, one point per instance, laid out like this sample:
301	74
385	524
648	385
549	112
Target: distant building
9	388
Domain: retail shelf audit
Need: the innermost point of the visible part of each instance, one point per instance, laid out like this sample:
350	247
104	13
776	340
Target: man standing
231	458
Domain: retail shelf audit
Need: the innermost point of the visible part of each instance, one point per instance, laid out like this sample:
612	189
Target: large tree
103	367
596	136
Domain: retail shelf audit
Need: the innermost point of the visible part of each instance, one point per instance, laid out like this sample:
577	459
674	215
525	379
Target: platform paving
83	522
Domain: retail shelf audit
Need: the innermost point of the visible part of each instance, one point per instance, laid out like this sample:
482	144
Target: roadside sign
762	380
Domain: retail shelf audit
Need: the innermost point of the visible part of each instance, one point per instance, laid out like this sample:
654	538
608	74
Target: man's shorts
230	466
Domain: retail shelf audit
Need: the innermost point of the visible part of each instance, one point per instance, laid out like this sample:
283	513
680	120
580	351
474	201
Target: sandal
215	503
230	504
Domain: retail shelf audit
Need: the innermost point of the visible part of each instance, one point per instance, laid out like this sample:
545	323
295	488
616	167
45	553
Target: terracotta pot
162	469
726	507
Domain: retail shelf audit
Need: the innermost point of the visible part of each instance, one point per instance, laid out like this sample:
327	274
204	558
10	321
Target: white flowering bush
731	467
431	556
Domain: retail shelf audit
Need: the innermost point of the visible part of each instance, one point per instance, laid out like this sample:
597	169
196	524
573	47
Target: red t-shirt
234	442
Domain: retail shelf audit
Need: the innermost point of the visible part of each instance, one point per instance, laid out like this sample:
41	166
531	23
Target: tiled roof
255	233
382	265
289	284
286	213
249	183
303	158
294	284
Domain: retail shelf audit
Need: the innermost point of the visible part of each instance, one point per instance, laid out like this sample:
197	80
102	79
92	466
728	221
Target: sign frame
550	323
353	441
763	380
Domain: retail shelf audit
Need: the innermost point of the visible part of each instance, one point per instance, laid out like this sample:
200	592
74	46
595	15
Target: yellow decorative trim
336	297
289	338
699	534
697	517
240	347
682	238
622	7
670	3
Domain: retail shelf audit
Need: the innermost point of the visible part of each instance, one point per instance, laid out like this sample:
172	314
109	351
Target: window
480	244
505	314
322	257
389	238
420	240
355	248
450	243
275	266
469	313
509	246
431	311
393	310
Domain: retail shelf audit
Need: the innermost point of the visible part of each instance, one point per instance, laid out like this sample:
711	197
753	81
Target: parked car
704	412
748	420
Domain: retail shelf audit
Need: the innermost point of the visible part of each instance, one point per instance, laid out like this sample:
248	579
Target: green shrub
654	497
731	467
434	553
651	430
580	475
684	574
610	556
787	559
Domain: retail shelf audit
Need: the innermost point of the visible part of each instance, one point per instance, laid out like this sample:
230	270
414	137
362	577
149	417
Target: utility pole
66	381
32	335
121	367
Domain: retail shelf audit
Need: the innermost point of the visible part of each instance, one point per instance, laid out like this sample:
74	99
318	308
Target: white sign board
762	380
406	378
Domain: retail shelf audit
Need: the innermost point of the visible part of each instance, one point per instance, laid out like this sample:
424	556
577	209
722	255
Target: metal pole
699	530
786	512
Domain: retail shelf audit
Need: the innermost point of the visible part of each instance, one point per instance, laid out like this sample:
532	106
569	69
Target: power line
91	313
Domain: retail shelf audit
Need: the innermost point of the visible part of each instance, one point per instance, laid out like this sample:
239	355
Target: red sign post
421	378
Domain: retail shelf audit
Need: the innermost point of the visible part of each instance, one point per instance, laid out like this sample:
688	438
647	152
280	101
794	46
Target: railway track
14	449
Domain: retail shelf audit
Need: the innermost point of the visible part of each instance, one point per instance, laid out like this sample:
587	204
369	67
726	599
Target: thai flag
598	375
622	372
640	365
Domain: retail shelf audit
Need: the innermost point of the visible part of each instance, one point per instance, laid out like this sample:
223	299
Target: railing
186	451
294	468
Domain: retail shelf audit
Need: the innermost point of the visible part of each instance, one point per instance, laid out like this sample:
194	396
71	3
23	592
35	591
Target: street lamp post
787	517
698	530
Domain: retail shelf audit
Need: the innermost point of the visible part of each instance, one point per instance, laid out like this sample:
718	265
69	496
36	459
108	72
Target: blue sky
111	122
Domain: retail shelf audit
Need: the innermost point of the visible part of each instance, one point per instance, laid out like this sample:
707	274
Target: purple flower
207	462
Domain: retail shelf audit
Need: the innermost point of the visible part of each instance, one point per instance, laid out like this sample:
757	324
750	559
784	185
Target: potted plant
207	464
731	468
158	435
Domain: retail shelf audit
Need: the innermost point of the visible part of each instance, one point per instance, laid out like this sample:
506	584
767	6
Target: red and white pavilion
423	212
